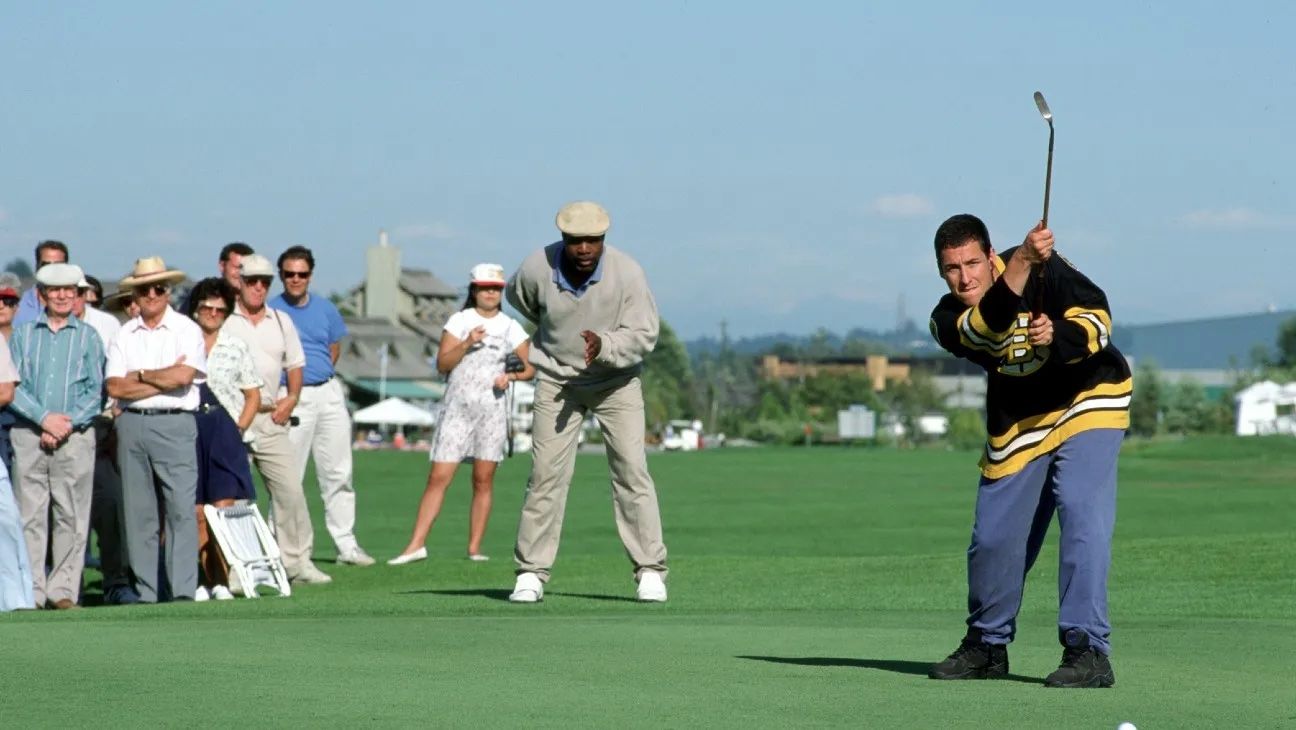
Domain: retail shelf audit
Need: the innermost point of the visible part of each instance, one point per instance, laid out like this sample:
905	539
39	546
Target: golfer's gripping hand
1040	331
1038	246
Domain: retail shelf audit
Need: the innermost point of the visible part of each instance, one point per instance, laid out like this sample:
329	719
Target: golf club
1048	185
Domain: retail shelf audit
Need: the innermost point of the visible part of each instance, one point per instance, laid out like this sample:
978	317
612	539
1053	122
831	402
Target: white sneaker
201	594
309	574
528	589
651	587
355	556
478	557
221	593
417	555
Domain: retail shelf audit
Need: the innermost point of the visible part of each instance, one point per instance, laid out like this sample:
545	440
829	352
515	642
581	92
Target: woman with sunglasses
474	346
229	400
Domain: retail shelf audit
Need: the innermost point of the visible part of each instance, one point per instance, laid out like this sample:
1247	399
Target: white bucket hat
489	274
254	264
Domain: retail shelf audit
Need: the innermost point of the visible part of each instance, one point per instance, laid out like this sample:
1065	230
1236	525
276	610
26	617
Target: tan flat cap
583	218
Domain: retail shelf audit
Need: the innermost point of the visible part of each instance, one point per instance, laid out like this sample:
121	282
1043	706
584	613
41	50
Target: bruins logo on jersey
1022	358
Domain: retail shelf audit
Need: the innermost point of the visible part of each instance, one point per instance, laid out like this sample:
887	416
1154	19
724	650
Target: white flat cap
254	264
583	218
59	275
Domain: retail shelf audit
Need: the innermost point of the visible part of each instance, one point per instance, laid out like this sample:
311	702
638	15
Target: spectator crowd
123	416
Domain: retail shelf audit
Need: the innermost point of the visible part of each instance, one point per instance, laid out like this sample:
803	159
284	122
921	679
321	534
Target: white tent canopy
394	412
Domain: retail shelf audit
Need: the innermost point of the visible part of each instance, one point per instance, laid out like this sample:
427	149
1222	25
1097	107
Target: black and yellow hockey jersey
1038	398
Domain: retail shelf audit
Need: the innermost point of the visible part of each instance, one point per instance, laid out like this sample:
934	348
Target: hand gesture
1038	246
477	334
57	425
48	442
1040	331
283	410
593	346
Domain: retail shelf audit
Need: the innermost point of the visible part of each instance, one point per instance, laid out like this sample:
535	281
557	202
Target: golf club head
1043	108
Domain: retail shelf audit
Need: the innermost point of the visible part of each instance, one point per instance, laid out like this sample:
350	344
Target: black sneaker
1082	666
973	660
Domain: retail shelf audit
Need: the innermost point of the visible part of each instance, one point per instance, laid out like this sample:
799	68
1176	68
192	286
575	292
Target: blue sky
776	166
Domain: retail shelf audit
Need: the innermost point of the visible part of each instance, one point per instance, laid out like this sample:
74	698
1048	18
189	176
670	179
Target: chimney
382	279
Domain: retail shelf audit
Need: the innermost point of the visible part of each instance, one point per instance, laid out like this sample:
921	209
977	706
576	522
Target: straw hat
151	270
583	218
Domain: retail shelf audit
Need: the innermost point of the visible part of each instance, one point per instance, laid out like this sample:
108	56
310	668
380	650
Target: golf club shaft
1038	308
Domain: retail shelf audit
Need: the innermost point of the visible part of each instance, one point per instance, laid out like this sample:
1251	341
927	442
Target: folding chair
248	547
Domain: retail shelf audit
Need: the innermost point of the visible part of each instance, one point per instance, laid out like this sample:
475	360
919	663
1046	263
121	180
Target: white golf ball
1126	726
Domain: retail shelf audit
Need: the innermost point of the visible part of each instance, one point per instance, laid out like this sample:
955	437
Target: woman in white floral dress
474	345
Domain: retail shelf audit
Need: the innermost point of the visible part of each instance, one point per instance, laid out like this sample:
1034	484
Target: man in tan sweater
596	321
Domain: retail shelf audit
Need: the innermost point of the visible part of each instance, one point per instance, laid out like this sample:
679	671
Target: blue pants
1012	517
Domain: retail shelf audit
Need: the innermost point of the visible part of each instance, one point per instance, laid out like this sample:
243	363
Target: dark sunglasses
262	280
156	289
9	301
294	274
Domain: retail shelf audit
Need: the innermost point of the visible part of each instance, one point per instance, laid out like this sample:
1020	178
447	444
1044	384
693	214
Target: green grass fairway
809	587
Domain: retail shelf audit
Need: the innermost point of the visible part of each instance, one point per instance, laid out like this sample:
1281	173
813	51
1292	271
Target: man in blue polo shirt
324	425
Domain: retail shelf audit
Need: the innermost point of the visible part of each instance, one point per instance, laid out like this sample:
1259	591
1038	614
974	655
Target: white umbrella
395	412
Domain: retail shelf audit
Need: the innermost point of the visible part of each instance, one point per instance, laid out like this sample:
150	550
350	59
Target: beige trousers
55	485
274	456
559	411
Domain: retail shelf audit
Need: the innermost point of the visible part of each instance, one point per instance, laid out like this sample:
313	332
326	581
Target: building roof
408	355
423	283
1202	344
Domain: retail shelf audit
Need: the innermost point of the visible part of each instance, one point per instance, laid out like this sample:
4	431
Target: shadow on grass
502	594
899	666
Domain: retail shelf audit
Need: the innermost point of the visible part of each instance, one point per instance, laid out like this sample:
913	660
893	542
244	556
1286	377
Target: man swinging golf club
1057	407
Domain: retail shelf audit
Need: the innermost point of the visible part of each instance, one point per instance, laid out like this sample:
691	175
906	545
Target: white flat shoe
478	557
417	555
651	589
528	589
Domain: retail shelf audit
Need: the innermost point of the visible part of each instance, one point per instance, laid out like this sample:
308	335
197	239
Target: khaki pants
273	454
325	433
559	412
54	484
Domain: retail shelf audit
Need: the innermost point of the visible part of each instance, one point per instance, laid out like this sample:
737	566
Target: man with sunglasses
60	391
47	252
152	367
324	425
277	349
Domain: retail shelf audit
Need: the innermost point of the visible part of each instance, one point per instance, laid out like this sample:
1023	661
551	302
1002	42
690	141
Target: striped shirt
59	372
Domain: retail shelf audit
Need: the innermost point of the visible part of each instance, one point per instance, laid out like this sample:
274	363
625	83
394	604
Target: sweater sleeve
635	334
1085	327
523	291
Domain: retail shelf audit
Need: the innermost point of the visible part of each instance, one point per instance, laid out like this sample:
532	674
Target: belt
316	385
157	411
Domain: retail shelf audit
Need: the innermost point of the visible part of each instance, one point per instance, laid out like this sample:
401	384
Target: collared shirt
231	369
29	307
137	347
104	323
319	325
59	372
274	343
8	373
560	279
